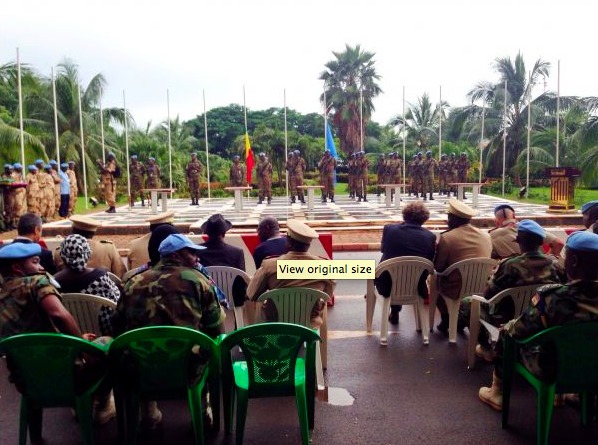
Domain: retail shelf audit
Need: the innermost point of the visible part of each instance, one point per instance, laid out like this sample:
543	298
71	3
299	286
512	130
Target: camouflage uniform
74	189
9	197
33	192
169	294
300	167
20	310
193	174
291	168
411	175
429	166
327	166
153	176
452	174
418	175
263	171
20	197
462	166
362	176
136	174
237	172
107	181
351	175
381	174
48	199
443	169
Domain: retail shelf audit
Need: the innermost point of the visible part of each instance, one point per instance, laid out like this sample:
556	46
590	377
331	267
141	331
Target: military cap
31	168
64	165
193	154
463	154
381	155
47	167
583	241
452	155
161	218
175	242
134	157
588	205
152	159
8	166
216	225
428	153
111	155
500	207
53	162
414	156
17	251
85	223
529	226
444	155
71	162
459	208
235	157
299	231
262	154
17	165
419	153
39	161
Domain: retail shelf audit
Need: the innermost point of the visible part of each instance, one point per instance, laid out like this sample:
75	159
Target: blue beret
17	165
111	154
8	166
134	157
588	205
64	165
16	251
428	152
152	159
193	154
31	168
175	242
500	207
48	167
39	161
529	226
71	162
583	241
53	162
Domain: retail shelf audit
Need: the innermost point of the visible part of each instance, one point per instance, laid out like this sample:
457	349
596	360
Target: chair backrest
474	274
270	350
521	296
44	367
405	272
576	347
163	360
115	279
294	304
224	277
85	308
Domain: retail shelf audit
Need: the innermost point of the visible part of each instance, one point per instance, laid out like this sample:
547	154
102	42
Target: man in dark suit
406	239
271	243
29	231
217	252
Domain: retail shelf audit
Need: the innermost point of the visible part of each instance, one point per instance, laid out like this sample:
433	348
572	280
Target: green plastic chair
272	368
576	347
164	363
44	368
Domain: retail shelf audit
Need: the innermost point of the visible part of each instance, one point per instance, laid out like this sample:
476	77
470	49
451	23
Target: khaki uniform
455	245
351	176
153	176
290	167
103	254
193	173
20	199
300	167
108	183
237	173
33	193
263	172
362	177
463	166
327	166
136	173
138	254
429	166
503	240
74	190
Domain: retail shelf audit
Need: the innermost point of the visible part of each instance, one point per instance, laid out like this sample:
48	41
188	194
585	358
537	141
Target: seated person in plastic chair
30	302
299	236
172	293
406	239
531	267
271	242
553	305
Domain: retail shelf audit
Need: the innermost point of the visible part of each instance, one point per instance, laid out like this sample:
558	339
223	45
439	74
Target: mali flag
248	158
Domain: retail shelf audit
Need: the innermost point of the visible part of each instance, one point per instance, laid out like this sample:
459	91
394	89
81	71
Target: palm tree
348	80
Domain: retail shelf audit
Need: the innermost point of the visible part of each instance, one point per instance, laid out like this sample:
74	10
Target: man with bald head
272	244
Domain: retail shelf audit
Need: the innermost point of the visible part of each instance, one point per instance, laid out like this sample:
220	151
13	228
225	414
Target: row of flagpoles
249	157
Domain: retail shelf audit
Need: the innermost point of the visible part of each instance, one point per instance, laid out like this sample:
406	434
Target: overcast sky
219	46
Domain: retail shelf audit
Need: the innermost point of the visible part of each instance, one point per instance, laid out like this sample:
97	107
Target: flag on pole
331	147
248	158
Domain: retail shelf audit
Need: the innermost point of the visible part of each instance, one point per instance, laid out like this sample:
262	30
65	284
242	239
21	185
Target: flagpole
286	147
55	118
558	111
482	140
82	145
246	137
529	132
205	130
404	138
440	125
169	139
102	127
504	141
20	91
127	150
361	115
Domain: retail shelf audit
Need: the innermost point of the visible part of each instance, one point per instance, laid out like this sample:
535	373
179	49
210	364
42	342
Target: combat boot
292	200
332	197
111	210
365	198
302	199
431	197
492	395
142	203
269	200
324	198
359	198
261	200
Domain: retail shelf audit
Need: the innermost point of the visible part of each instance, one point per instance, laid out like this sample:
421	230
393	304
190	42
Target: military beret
8	166
47	167
588	205
500	207
17	165
428	152
529	226
134	157
460	209
175	242
53	162
85	223
583	241
193	154
71	162
300	231
111	155
39	161
16	251
161	218
64	165
31	168
152	159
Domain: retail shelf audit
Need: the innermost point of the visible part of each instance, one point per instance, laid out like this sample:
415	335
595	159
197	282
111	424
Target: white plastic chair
115	279
85	309
474	279
521	296
405	273
224	277
295	305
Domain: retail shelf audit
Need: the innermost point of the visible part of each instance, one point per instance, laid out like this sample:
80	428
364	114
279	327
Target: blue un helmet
18	166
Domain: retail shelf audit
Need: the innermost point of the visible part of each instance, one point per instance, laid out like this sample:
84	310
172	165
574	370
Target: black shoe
443	326
142	204
393	318
111	210
260	201
269	200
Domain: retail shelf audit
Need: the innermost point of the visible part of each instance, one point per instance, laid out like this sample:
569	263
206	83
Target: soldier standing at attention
327	166
463	166
419	174
20	194
362	176
57	181
411	174
452	174
136	173
153	174
300	167
443	167
263	171
108	181
74	189
351	165
236	172
381	172
429	165
193	174
32	190
9	196
48	195
290	167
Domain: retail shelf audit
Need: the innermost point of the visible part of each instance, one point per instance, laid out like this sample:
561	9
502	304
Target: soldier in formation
236	172
381	173
33	191
362	168
74	187
429	167
263	171
462	167
452	173
443	169
20	194
136	174
152	170
108	181
8	196
193	174
327	167
57	183
300	167
411	175
352	175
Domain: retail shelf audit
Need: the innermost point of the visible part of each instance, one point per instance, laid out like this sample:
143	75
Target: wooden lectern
562	188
